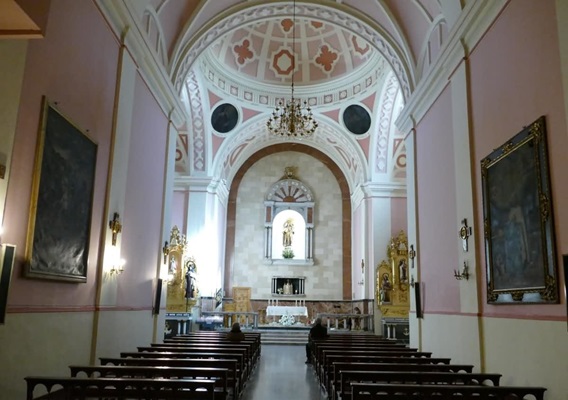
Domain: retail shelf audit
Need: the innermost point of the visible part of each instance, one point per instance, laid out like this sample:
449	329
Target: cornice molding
217	187
389	189
155	75
474	21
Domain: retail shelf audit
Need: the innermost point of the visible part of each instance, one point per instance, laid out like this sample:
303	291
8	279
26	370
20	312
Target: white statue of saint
288	287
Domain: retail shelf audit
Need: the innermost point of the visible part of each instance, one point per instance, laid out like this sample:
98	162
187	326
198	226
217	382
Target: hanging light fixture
293	118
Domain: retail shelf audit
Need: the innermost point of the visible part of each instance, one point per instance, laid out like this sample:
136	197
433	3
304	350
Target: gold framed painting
518	220
59	227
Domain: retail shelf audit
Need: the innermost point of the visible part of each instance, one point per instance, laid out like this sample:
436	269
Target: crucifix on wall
465	233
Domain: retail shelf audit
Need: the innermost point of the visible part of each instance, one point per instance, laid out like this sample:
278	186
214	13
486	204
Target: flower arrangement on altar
288	253
287	320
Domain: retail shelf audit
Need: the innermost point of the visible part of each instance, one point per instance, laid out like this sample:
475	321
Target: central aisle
282	375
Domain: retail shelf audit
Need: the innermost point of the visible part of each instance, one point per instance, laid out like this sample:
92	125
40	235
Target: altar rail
348	321
250	318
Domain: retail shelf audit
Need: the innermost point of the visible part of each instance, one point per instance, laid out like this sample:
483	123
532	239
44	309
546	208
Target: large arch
345	208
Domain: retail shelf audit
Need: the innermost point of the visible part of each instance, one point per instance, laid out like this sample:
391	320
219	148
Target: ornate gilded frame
59	226
518	220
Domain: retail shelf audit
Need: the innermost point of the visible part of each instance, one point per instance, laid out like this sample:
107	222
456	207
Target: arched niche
289	222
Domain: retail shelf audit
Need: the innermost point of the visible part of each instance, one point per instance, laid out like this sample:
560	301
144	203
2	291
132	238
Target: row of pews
198	365
365	367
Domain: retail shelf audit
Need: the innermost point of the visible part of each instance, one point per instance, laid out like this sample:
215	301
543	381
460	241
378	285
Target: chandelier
292	118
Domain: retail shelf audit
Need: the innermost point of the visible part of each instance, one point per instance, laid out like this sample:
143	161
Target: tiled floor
282	375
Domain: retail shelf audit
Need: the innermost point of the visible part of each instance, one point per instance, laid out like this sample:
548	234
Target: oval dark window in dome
356	119
224	118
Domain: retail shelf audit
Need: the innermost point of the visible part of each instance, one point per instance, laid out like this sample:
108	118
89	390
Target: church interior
394	167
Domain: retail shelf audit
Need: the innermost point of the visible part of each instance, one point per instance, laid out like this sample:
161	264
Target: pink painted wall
517	79
75	65
399	217
437	253
144	200
180	204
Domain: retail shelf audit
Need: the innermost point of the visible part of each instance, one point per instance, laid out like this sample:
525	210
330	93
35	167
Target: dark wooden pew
121	388
253	344
326	373
318	350
247	347
323	364
191	353
342	390
379	391
219	375
241	367
339	366
230	364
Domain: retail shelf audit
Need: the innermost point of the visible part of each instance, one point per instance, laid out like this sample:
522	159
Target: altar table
287	310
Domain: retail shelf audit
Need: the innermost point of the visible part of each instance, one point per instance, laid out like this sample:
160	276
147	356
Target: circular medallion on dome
224	118
356	119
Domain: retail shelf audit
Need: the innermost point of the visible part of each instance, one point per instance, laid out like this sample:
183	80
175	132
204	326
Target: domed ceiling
230	62
265	51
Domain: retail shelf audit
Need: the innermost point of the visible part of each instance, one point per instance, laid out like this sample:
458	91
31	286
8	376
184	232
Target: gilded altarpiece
182	291
392	280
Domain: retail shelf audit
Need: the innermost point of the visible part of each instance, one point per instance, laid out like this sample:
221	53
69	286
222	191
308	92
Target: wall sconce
165	251
411	255
115	227
362	281
118	269
462	275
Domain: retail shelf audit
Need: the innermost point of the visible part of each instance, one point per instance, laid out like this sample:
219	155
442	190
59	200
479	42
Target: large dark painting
518	220
7	256
60	215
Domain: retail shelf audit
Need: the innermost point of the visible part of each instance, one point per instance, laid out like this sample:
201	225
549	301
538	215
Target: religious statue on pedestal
288	232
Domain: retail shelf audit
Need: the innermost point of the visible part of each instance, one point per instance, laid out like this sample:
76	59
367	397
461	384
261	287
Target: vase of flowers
287	320
288	253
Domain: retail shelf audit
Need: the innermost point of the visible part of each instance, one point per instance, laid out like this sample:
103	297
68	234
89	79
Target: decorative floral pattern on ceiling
267	51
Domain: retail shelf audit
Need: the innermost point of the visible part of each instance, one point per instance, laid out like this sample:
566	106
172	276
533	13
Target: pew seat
385	391
342	388
68	388
219	375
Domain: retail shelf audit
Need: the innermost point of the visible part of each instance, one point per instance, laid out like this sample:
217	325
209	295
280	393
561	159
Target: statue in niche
385	288
403	271
288	232
190	275
288	288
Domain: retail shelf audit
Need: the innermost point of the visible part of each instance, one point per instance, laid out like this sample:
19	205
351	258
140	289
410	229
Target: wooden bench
219	375
323	365
235	377
246	347
239	356
326	373
342	391
318	351
379	391
121	388
317	346
253	345
339	366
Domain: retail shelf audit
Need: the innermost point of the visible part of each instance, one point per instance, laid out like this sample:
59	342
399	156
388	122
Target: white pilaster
120	146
